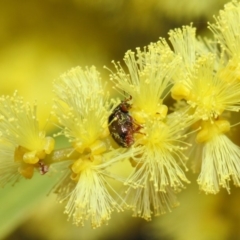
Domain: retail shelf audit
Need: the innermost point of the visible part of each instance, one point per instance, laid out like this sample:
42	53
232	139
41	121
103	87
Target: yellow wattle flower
147	80
23	144
82	107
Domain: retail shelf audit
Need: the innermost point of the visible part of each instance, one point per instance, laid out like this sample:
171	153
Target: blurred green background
39	40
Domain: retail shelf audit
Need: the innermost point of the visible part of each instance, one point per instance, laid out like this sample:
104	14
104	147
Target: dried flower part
23	144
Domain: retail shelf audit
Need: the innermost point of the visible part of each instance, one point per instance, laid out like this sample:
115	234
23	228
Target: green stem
60	155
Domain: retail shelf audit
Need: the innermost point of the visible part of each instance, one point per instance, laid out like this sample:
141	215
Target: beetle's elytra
122	126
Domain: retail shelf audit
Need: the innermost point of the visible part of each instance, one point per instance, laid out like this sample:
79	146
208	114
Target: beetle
122	126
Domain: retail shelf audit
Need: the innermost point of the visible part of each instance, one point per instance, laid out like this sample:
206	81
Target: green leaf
18	202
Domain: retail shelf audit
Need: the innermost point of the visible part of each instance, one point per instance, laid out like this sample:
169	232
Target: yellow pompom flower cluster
83	108
211	88
161	142
144	130
24	146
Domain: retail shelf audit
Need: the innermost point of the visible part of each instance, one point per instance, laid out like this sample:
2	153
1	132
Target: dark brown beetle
122	126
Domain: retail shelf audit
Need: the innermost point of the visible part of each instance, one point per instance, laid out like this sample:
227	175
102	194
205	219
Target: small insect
42	167
122	126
